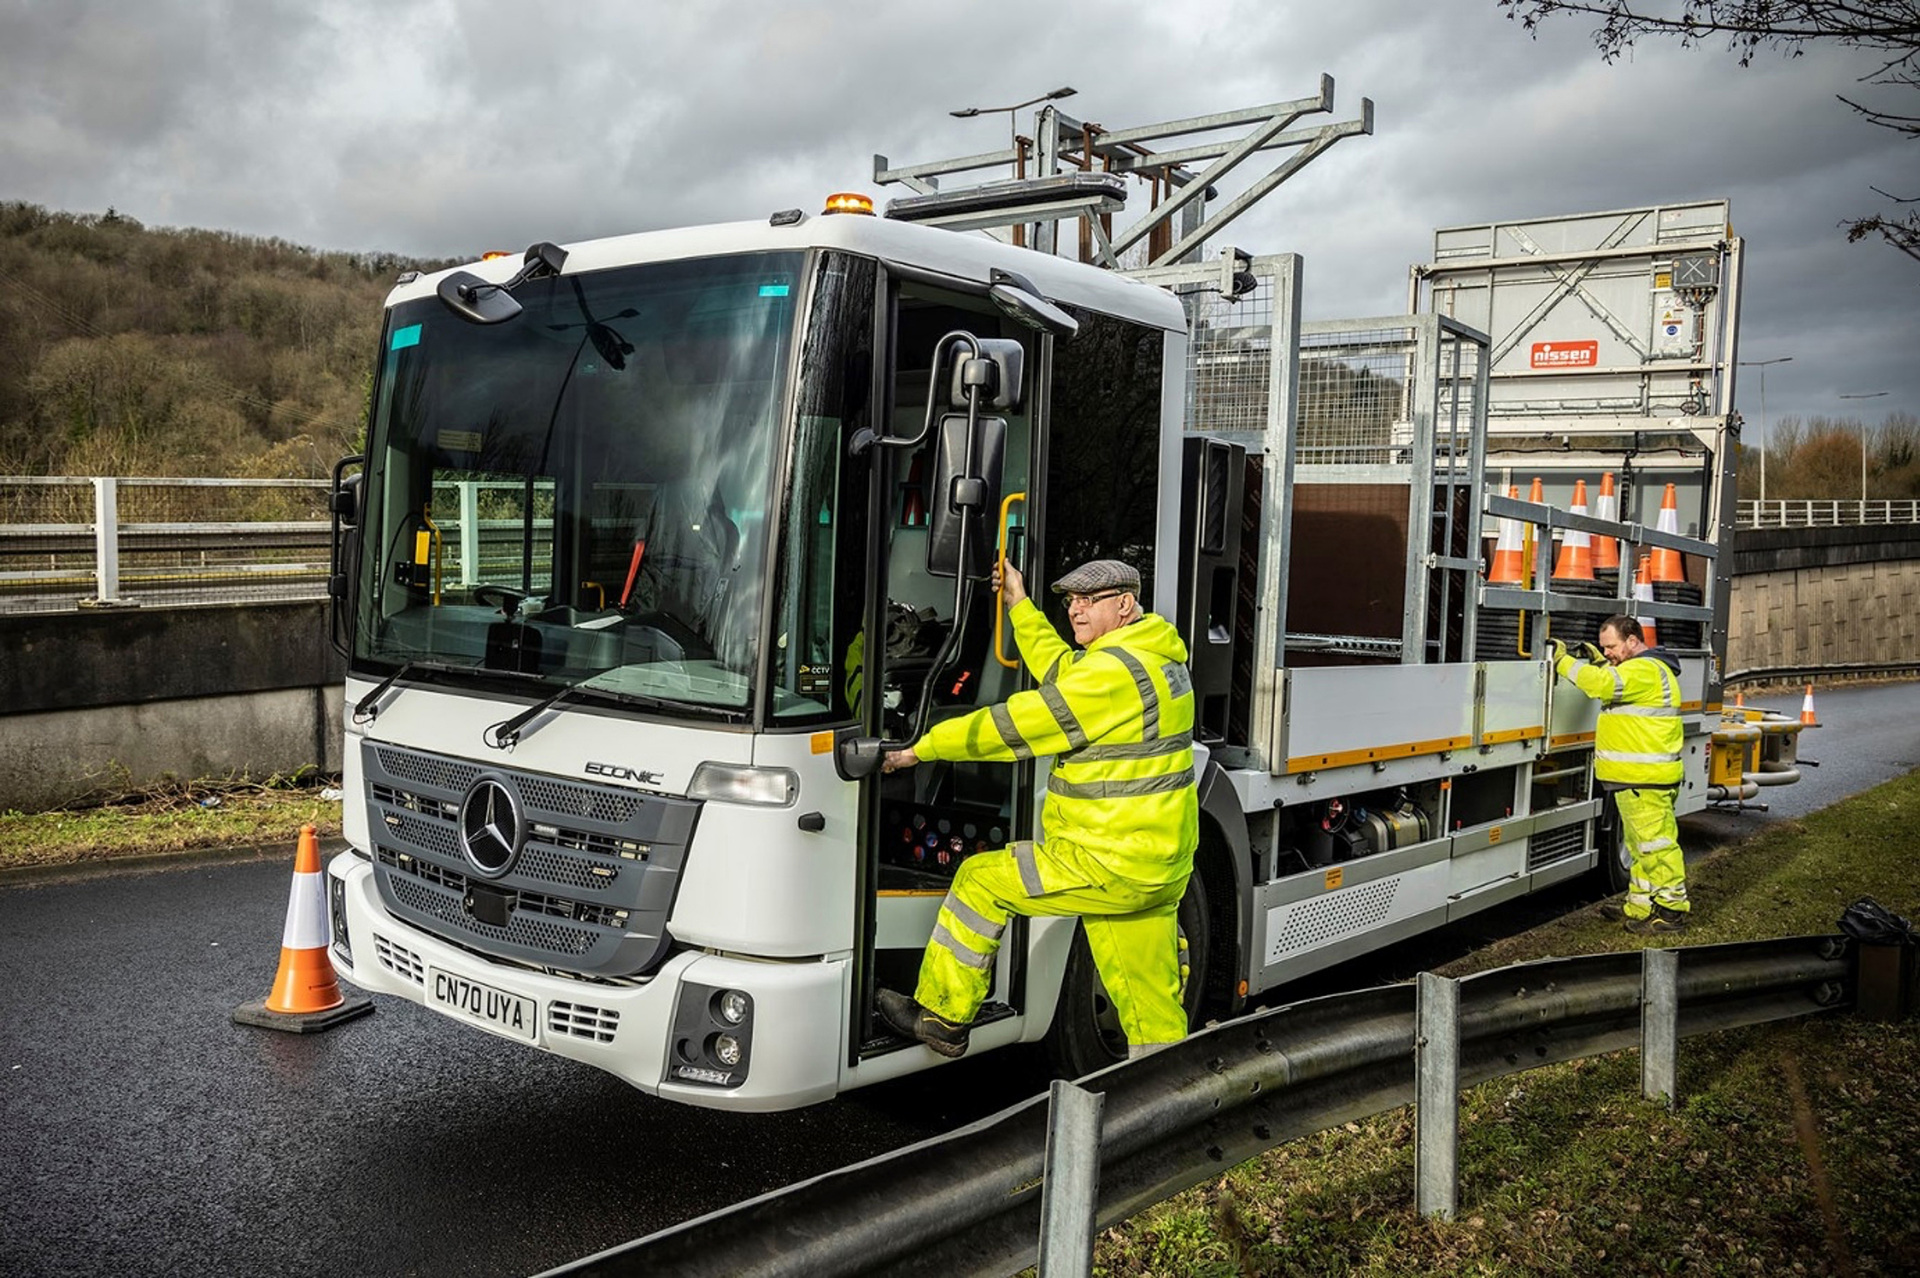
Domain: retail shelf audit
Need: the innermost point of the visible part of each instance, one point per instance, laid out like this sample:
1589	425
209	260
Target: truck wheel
1615	869
1086	1035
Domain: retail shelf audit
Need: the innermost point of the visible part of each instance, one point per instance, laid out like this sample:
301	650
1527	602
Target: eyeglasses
1079	601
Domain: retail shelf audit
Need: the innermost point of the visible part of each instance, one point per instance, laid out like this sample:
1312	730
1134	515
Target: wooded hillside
133	351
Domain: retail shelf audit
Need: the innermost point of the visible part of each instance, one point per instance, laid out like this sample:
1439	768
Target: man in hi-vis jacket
1118	826
1636	756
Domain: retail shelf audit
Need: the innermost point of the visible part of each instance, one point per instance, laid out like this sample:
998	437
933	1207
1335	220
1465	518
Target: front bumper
798	1023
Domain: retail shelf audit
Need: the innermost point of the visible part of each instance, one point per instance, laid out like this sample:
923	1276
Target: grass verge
217	814
1795	1148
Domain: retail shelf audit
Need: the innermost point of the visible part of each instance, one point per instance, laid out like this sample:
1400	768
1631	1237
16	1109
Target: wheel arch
1224	860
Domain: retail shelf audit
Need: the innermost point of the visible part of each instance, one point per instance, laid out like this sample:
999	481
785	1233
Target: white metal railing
1826	514
78	541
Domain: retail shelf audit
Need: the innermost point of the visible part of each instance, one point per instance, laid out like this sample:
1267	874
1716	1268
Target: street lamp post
1761	364
1013	124
1863	450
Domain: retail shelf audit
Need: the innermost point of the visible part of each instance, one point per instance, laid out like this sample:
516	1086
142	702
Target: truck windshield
581	493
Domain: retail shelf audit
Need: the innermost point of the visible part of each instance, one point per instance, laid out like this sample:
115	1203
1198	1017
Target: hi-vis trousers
1132	930
1659	874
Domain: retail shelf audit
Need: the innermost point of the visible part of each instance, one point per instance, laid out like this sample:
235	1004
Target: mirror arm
868	438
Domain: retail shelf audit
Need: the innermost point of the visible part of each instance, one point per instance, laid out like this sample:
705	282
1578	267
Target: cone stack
1606	550
1509	555
1643	593
1576	547
1666	561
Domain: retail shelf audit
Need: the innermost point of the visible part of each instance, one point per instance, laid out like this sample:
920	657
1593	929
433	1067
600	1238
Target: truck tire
1085	1035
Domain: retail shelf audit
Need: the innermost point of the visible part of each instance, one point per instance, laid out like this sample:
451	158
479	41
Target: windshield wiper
507	733
364	711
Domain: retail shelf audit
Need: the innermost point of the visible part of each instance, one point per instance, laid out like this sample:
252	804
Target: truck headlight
733	1006
726	1050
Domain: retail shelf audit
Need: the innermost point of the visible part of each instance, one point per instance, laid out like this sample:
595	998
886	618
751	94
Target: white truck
657	539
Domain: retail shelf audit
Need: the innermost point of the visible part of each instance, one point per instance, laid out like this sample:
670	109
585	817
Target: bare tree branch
1892	26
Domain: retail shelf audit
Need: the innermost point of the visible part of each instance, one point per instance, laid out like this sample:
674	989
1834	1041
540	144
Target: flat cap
1098	574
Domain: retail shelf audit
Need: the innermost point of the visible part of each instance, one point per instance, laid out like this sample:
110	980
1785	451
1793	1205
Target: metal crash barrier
971	1201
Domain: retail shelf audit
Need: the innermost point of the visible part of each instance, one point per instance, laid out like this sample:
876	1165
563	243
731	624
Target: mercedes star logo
490	826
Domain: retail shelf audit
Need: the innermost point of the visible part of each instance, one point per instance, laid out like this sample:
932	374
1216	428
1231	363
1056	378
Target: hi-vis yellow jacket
1640	734
1119	716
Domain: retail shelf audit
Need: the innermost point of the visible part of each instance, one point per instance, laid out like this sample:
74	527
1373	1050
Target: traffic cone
1509	555
1806	710
1643	592
1739	701
1666	561
305	994
1529	536
1606	550
1576	547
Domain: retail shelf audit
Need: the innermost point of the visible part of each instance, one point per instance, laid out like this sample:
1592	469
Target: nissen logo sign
1566	354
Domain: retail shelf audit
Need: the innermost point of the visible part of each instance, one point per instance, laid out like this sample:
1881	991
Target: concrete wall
1824	596
124	697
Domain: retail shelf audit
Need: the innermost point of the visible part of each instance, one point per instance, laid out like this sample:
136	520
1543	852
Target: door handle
1000	596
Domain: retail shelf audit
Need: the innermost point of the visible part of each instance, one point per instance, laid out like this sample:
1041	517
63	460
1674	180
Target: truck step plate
497	1010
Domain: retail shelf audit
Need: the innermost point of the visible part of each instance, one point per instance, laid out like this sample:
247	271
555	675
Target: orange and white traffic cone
1643	593
1666	561
1606	550
1807	719
1509	555
1576	547
305	996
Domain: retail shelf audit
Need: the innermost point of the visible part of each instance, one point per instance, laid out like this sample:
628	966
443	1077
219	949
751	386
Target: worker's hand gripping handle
1000	598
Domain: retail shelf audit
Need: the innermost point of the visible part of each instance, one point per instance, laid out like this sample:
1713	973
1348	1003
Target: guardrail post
1436	1090
1071	1184
1660	1025
106	540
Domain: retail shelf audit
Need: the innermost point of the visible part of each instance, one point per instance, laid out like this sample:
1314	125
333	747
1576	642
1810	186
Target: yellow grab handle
1000	596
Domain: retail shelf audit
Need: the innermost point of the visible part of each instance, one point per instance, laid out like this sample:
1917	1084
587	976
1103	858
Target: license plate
497	1010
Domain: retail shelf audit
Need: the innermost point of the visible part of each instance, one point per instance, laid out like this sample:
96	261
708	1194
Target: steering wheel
505	598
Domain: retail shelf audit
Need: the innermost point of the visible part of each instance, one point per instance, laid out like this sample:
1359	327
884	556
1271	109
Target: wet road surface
143	1133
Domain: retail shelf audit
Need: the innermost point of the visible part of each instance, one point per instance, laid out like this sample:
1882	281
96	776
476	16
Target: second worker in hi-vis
1118	827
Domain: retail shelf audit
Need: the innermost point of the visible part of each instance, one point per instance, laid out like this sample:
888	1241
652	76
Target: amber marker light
849	202
492	254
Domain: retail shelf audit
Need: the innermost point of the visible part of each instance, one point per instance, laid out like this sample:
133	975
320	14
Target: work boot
1661	922
908	1019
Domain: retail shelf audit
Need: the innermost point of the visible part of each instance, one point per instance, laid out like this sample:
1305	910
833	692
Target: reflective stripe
1119	789
1131	749
1009	734
1150	724
1671	897
1063	715
1619	684
972	918
1648	712
1639	898
1053	670
1029	868
1654	845
961	951
1624	756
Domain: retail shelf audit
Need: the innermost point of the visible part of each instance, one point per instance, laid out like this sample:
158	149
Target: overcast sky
446	127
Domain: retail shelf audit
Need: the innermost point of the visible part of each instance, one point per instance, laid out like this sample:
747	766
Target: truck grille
588	889
399	960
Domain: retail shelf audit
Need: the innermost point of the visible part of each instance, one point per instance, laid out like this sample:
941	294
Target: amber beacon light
849	202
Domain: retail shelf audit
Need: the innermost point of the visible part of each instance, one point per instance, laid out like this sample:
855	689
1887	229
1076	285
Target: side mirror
475	299
1000	372
344	504
965	492
859	757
